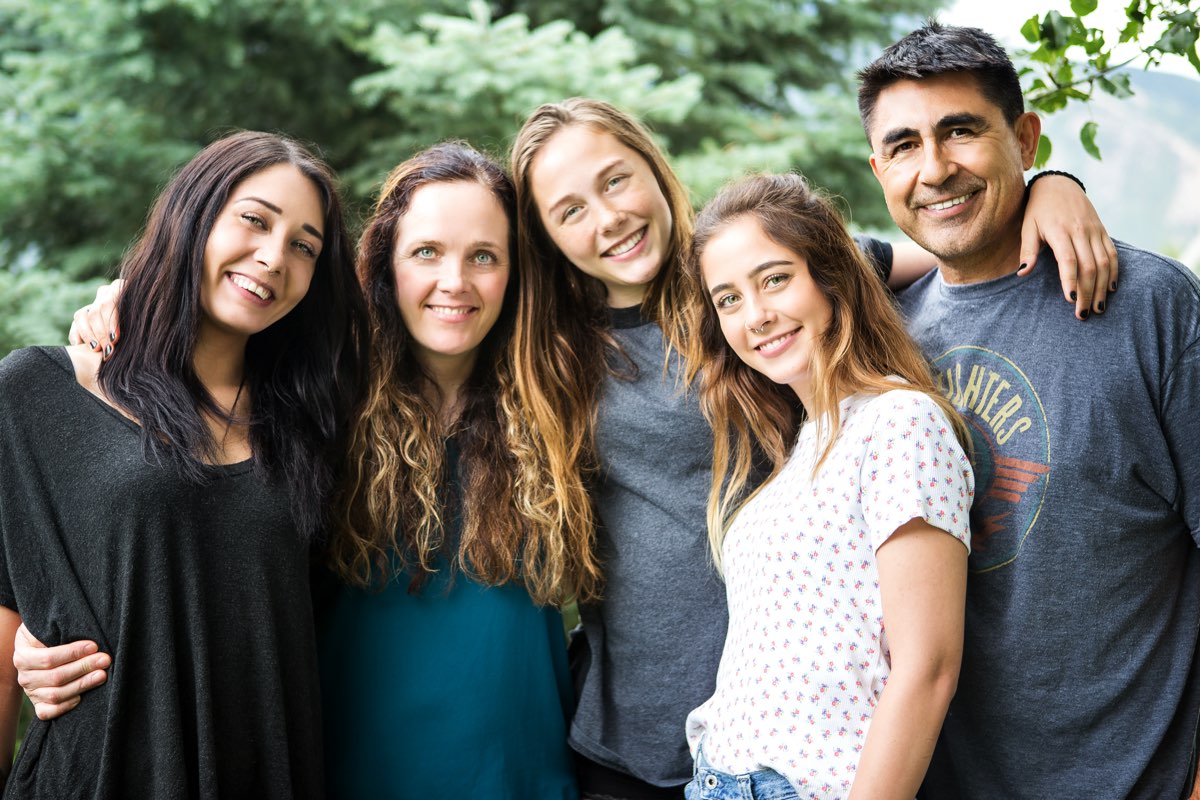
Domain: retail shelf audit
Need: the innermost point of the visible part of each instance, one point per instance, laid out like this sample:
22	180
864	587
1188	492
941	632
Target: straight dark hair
305	374
936	49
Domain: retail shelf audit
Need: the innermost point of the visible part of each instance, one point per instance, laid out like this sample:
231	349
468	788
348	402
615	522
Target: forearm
904	729
10	693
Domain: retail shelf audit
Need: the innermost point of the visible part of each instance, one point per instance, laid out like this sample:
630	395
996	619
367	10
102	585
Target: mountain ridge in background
1145	186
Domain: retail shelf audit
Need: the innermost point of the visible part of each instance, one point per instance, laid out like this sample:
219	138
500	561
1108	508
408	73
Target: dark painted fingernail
1112	287
112	336
1084	314
1100	307
1021	267
93	344
107	350
1073	297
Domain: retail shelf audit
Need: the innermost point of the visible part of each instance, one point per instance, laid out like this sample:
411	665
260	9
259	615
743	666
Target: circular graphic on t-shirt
1012	449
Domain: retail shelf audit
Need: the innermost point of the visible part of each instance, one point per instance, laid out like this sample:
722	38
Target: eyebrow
279	210
606	167
481	243
779	262
948	121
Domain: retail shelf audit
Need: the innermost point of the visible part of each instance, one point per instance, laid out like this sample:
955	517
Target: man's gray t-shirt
1079	675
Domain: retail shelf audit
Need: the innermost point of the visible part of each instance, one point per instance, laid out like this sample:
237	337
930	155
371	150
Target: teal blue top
460	690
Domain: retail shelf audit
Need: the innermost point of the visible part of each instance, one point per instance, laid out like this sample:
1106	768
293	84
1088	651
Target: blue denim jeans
712	784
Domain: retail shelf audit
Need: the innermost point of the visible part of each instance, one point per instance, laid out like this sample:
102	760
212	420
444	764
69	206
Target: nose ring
759	329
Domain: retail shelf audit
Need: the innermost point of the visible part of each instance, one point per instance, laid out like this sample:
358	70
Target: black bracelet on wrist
1045	172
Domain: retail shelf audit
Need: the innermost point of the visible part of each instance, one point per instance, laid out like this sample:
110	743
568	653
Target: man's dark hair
935	49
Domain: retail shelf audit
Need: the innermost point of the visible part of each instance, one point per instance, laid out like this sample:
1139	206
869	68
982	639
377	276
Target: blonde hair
563	343
518	522
865	346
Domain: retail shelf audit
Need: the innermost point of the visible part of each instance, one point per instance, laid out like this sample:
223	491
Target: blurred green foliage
101	100
1056	77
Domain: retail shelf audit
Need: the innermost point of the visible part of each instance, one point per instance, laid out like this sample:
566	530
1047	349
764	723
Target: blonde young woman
604	227
846	569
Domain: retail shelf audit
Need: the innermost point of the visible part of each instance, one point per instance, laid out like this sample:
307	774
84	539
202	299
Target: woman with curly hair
441	648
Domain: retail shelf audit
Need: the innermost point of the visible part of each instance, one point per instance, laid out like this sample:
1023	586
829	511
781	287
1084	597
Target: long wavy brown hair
517	522
563	342
755	420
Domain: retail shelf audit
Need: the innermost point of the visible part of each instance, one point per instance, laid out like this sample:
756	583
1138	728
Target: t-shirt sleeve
878	253
9	491
1181	426
914	467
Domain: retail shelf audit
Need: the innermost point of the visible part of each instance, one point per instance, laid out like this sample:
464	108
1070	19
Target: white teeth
957	201
447	311
250	286
773	343
627	245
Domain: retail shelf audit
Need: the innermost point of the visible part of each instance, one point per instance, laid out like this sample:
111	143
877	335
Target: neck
219	359
626	296
450	374
995	260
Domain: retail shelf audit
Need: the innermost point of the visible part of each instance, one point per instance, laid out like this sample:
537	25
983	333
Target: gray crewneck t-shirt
1080	677
655	639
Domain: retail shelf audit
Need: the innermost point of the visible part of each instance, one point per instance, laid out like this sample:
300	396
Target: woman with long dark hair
185	555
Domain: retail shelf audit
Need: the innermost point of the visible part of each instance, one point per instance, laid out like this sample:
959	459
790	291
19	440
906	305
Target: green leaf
1056	30
1043	152
1087	136
1118	85
1083	7
1032	30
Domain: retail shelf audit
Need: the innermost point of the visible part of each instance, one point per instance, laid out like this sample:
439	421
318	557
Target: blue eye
425	252
571	212
614	180
484	257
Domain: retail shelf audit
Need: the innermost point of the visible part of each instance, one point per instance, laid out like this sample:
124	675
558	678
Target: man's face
951	167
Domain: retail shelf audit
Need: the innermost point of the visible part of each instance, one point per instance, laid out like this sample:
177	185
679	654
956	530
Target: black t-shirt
199	592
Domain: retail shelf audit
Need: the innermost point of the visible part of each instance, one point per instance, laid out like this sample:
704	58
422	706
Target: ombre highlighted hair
518	524
563	341
865	348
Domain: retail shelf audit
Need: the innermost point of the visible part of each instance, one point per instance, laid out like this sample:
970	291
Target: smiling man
1079	675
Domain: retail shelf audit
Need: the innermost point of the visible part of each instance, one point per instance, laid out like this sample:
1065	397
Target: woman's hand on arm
923	584
10	692
54	678
1060	214
96	324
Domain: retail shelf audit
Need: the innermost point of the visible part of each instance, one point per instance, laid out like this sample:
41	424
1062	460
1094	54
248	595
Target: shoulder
900	415
1149	271
19	366
1157	297
897	404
